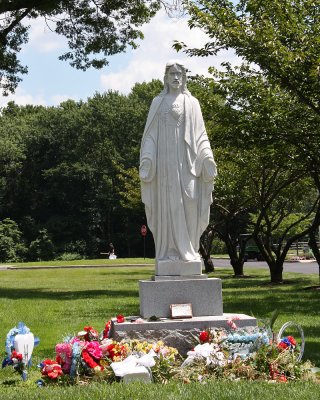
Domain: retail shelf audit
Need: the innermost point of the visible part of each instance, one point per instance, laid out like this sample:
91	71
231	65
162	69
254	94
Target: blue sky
51	81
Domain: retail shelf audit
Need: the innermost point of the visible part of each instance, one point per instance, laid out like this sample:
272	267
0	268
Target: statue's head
172	67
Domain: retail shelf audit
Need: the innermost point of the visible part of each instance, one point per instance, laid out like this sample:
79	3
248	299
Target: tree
280	36
264	161
94	30
231	203
67	170
12	248
41	249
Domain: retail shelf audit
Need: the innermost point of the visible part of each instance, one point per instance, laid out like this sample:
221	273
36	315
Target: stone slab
204	322
178	277
205	296
181	268
175	333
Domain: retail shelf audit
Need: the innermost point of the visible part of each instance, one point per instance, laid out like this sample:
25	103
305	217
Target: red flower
282	346
204	336
292	340
90	361
111	351
120	319
16	355
51	369
92	334
106	330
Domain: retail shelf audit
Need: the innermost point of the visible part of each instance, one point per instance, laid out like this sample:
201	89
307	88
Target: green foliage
12	248
68	170
94	31
218	247
42	247
281	37
69	257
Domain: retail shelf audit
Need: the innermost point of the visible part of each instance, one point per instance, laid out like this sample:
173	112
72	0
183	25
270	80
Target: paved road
302	267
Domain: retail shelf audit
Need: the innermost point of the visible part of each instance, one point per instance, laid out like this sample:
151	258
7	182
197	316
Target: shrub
42	248
69	256
12	247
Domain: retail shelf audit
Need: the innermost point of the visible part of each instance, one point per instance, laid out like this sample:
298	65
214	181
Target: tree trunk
235	260
237	265
207	260
208	265
205	249
276	272
314	247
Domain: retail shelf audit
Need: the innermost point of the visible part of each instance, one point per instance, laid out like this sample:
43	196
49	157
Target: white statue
177	171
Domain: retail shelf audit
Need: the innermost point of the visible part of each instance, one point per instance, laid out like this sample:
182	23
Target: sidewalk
12	267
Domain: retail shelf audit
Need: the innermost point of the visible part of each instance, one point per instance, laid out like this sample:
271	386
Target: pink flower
93	348
64	355
230	322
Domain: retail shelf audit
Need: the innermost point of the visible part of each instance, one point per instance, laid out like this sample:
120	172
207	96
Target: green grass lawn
55	302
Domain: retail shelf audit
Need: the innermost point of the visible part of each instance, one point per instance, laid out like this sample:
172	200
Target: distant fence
302	249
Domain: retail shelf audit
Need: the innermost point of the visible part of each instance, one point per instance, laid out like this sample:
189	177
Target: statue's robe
177	193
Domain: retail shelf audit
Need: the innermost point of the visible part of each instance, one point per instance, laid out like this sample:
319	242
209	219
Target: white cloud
148	61
42	38
59	98
22	98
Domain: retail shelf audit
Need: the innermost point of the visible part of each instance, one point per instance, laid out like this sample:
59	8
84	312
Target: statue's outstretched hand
145	169
209	170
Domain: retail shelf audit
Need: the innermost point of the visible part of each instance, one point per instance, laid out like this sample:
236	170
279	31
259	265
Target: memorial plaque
181	310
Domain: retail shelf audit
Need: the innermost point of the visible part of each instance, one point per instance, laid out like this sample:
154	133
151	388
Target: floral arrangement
90	355
19	347
235	353
244	353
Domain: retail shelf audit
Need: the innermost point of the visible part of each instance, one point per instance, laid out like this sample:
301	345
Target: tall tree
95	29
280	36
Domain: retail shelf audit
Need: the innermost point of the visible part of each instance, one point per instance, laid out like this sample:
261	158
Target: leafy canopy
94	29
280	36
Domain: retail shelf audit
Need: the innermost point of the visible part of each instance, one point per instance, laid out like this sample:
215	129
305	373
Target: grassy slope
56	302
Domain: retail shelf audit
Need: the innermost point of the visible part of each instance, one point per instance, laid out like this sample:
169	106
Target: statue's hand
209	169
145	169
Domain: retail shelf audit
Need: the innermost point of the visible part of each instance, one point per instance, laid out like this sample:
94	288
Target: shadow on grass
63	295
263	300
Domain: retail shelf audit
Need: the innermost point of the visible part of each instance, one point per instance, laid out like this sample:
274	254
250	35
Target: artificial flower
51	369
90	361
292	340
120	319
204	336
91	334
16	357
64	356
106	330
93	348
231	323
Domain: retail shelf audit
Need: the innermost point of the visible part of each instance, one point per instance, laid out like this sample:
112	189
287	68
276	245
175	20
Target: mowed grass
57	302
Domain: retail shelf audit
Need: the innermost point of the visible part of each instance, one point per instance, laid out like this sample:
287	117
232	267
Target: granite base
205	296
175	333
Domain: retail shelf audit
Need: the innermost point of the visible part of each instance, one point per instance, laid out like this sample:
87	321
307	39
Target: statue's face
174	78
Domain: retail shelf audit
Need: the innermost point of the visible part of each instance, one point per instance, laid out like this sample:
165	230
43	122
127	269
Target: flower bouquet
19	347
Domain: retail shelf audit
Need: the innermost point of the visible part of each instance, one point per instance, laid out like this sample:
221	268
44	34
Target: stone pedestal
178	268
205	296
